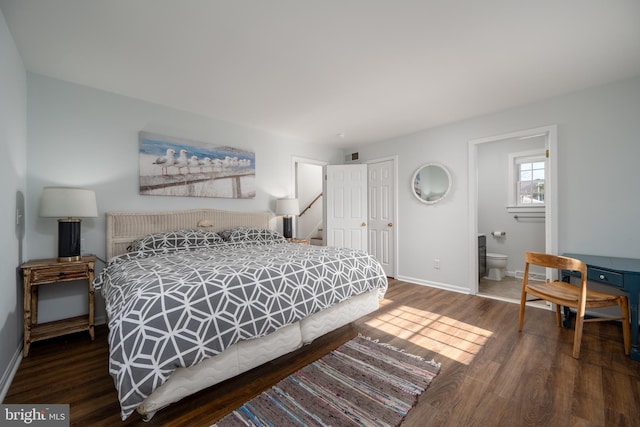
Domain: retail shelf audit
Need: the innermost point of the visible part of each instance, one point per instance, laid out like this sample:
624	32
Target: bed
180	320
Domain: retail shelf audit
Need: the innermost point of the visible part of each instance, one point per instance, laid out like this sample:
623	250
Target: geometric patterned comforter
174	308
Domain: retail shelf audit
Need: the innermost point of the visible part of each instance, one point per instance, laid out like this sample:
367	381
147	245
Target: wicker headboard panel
124	227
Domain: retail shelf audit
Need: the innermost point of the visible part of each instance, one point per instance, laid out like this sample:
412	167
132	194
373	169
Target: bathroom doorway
514	215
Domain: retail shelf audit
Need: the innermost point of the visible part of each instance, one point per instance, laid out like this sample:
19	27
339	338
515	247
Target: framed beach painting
180	167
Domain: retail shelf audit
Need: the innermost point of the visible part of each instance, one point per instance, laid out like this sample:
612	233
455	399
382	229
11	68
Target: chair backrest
557	262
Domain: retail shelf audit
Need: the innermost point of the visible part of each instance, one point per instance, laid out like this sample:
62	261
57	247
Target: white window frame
512	197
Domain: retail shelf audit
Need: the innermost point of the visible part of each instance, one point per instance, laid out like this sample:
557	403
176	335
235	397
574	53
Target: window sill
526	209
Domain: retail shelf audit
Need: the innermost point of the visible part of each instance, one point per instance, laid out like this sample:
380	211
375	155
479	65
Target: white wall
85	137
598	154
13	144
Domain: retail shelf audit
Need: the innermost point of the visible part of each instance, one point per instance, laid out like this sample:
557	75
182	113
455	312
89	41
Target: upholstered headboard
124	227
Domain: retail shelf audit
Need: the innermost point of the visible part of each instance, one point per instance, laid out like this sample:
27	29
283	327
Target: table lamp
68	204
287	208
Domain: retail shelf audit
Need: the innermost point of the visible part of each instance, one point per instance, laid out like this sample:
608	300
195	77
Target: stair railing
310	204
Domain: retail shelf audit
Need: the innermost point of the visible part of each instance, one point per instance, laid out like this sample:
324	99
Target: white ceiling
312	69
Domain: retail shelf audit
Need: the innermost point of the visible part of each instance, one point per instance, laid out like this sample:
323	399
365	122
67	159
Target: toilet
496	266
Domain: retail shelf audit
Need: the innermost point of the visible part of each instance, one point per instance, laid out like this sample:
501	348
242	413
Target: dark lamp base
287	228
69	240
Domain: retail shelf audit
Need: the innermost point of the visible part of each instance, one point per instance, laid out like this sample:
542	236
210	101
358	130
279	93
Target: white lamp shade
287	207
68	202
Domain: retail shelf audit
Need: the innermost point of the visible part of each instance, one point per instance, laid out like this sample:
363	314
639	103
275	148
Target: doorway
307	181
513	217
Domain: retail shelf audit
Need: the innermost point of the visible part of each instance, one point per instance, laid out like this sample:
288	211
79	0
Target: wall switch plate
436	263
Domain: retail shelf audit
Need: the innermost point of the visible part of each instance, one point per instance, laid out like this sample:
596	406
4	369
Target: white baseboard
444	286
10	372
540	277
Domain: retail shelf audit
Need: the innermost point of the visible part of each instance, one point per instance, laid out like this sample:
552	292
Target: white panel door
346	204
381	214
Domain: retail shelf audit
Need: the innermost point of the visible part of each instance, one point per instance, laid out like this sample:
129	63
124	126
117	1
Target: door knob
390	224
364	224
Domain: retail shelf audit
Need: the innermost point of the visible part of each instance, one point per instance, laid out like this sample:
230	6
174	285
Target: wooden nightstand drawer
59	274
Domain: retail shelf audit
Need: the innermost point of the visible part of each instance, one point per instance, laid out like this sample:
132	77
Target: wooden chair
565	294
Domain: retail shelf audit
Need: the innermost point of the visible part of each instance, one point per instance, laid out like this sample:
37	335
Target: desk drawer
50	275
605	276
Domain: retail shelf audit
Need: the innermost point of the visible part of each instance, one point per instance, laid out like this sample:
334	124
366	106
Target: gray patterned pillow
177	239
251	235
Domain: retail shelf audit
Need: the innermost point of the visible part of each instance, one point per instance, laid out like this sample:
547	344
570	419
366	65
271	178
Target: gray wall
13	176
598	154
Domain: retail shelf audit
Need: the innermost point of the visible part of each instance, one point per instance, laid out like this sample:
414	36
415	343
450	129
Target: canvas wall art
180	167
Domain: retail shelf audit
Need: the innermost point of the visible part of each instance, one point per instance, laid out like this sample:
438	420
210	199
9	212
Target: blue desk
622	273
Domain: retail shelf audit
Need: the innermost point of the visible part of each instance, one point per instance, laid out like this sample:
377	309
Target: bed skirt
246	355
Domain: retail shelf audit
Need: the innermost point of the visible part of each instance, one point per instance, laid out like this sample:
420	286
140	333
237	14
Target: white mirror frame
440	194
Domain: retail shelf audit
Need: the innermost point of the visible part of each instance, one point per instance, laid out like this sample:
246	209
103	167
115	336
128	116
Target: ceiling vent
352	158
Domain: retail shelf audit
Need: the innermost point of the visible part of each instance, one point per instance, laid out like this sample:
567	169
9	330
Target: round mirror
431	183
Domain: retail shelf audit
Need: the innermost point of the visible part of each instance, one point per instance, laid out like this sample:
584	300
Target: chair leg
558	315
626	328
523	303
577	337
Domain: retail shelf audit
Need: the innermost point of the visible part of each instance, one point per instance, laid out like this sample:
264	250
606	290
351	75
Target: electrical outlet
436	263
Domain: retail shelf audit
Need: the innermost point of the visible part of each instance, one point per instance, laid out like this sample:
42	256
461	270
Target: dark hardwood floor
491	374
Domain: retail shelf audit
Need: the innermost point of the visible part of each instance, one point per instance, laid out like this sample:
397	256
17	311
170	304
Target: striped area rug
361	383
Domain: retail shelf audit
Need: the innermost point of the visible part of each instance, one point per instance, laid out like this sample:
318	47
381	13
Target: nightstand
49	271
299	241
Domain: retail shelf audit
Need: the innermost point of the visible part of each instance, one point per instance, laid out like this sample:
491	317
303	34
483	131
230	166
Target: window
527	171
530	185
